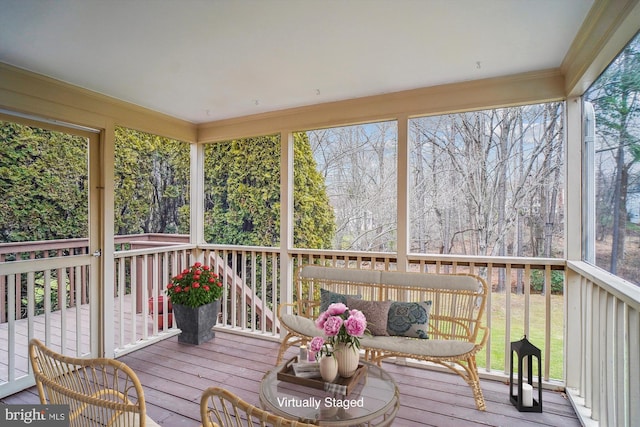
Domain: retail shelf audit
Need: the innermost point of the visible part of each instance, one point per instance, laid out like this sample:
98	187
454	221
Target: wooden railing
37	306
252	277
11	252
603	346
586	322
24	251
249	276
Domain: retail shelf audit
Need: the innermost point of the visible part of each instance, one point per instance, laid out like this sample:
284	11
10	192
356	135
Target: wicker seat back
99	391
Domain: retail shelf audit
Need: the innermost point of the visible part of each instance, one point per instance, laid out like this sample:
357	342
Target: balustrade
530	296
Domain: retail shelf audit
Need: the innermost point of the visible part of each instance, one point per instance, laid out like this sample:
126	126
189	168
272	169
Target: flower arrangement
195	286
340	326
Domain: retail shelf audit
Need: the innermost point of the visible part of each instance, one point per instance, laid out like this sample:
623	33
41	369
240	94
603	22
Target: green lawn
536	331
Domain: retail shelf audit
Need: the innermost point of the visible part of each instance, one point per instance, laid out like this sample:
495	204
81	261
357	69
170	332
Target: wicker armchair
229	410
99	392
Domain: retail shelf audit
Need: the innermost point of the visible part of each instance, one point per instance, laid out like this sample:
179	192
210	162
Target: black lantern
524	400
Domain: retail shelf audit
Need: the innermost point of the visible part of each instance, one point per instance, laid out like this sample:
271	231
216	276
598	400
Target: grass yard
536	331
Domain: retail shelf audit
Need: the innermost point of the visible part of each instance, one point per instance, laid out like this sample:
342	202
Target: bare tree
490	163
359	164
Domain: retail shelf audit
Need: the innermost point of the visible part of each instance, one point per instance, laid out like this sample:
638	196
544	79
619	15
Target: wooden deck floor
173	376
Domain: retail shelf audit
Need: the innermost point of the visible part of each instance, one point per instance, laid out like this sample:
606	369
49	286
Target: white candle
303	354
527	395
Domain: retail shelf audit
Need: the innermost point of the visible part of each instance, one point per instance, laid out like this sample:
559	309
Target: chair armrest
485	336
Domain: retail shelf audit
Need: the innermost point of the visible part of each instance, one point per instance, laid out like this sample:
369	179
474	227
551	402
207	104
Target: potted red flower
195	296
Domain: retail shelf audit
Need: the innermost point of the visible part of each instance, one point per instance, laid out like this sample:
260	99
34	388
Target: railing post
573	345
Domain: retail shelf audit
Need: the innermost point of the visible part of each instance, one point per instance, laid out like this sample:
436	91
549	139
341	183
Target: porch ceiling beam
31	93
606	30
532	87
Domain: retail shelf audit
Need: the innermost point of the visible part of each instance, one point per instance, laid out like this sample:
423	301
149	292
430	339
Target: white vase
328	368
348	358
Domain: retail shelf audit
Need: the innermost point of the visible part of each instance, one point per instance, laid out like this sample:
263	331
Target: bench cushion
436	281
325	274
434	348
300	325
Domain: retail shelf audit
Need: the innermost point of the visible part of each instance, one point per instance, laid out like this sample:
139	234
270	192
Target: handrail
625	291
33	265
49	245
435	259
153	250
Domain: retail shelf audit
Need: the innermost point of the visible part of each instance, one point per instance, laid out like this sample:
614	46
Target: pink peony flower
321	319
316	344
356	325
339	325
357	313
336	309
332	326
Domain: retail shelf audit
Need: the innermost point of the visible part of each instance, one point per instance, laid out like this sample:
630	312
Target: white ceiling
203	60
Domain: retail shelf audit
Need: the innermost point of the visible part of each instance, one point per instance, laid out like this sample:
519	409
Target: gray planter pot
196	323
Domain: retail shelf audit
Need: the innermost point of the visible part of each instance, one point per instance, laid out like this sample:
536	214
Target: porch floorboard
173	376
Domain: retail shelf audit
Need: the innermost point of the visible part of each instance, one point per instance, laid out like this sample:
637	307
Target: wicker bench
454	305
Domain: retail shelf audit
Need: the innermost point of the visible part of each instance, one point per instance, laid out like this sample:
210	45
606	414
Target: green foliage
557	281
536	333
44	177
242	194
314	220
44	184
615	96
152	183
39	297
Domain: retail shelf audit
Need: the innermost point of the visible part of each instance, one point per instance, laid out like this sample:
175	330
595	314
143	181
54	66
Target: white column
286	217
573	177
105	217
403	193
574	235
196	211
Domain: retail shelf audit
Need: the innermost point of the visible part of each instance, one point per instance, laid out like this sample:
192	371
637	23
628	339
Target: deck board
173	376
72	333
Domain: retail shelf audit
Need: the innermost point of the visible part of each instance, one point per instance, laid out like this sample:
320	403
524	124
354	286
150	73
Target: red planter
159	306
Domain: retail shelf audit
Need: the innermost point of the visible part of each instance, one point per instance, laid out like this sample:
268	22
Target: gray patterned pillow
376	313
327	298
409	319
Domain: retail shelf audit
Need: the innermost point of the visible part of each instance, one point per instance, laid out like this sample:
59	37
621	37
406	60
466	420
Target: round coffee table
374	401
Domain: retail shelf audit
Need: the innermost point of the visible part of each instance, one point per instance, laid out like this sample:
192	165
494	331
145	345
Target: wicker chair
99	392
229	410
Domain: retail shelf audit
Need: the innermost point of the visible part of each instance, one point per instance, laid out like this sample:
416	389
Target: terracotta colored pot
160	304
